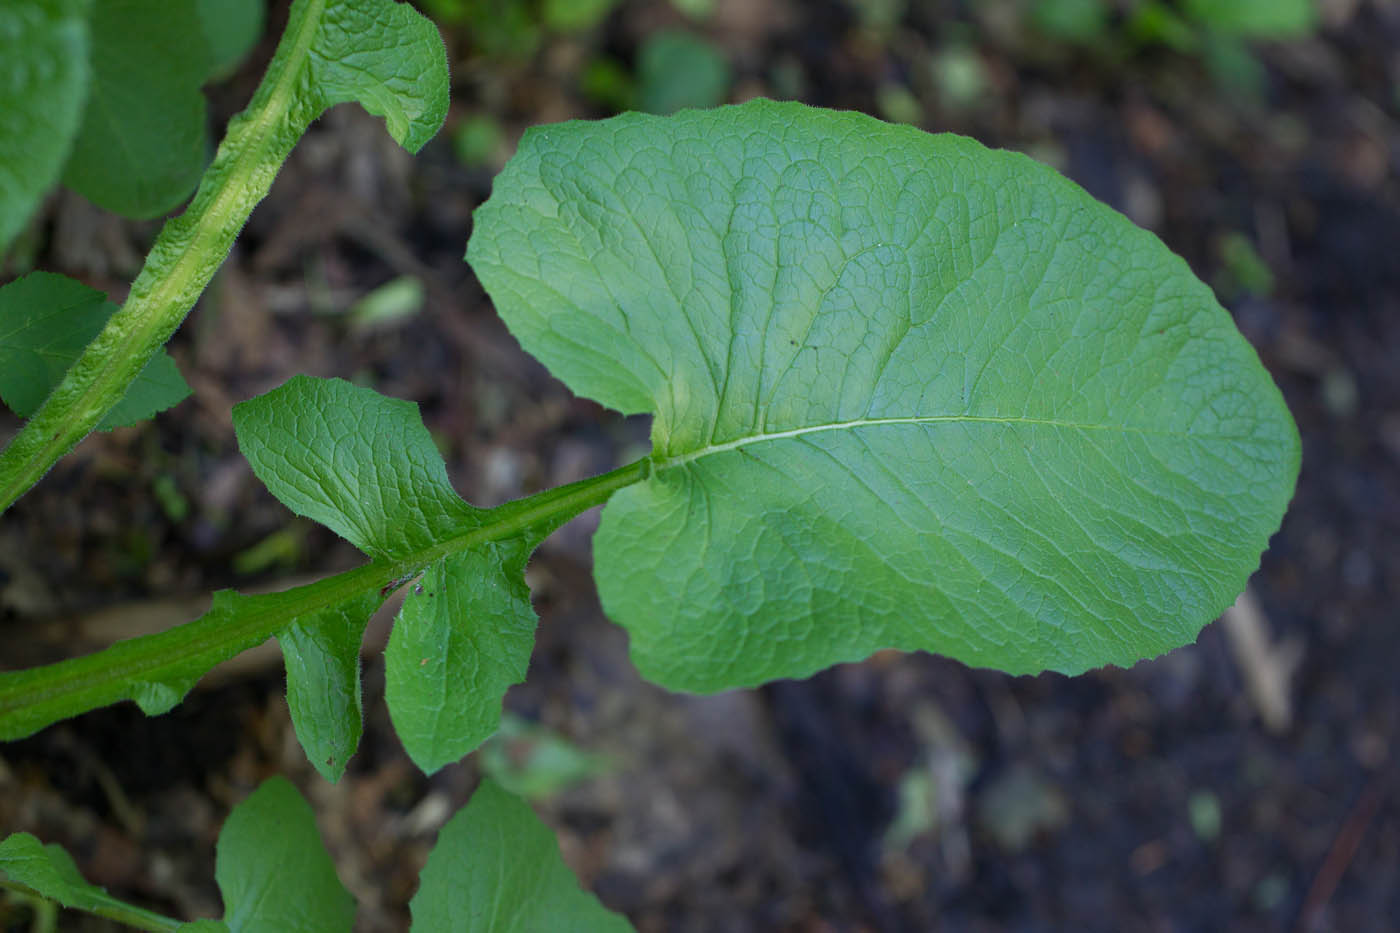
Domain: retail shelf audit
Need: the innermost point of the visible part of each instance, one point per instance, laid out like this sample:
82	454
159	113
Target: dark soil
1146	799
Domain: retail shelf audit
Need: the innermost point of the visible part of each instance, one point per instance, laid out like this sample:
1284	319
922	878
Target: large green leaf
273	869
496	867
463	638
45	321
908	392
43	86
143	142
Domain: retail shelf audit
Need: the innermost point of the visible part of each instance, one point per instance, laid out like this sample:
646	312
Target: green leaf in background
1153	22
532	761
43	86
50	872
143	142
463	638
273	870
1233	66
355	461
388	57
908	392
1081	21
575	15
387	306
1256	19
677	69
322	655
231	28
497	867
45	322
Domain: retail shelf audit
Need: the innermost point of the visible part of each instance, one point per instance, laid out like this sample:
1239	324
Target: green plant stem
32	699
189	250
129	914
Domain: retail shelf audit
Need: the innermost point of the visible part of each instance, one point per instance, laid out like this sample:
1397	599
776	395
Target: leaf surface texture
908	392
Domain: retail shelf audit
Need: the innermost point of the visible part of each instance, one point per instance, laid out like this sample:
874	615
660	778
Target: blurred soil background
1247	782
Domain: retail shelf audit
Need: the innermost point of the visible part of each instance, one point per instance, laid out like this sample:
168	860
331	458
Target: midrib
751	439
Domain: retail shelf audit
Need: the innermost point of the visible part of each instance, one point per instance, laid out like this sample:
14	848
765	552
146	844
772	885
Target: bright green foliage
908	392
677	69
45	321
143	142
49	872
359	463
463	638
273	870
322	655
497	867
43	86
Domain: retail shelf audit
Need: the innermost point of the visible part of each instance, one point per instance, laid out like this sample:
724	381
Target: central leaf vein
751	439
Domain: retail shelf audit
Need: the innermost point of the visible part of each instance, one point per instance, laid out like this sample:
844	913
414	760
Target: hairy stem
189	250
34	698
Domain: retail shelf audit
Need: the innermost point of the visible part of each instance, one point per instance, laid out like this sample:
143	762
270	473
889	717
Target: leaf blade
390	59
463	637
908	392
496	866
273	869
321	652
355	461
